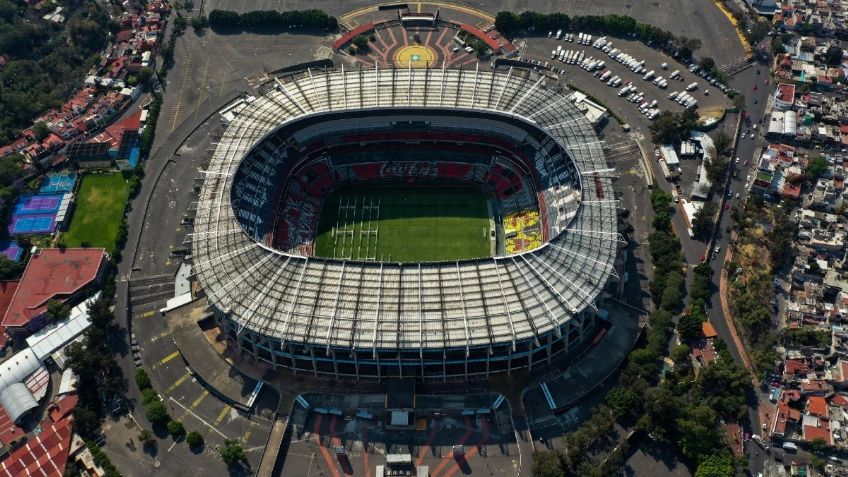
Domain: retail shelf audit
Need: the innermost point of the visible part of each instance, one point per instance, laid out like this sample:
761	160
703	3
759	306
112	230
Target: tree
624	401
547	463
707	64
818	445
57	310
41	130
816	167
833	56
9	269
146	437
723	143
739	101
716	465
716	167
690	325
702	223
176	429
199	23
194	440
142	379
231	452
680	355
156	412
145	74
361	42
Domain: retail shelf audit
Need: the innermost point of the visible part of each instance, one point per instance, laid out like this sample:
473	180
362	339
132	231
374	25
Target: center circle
417	56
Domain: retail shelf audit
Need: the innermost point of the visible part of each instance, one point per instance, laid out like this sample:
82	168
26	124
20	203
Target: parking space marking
199	418
177	383
222	414
199	399
247	433
168	358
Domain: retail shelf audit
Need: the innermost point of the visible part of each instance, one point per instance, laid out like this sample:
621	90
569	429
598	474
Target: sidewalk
725	309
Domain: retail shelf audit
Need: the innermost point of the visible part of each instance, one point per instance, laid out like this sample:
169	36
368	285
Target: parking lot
711	103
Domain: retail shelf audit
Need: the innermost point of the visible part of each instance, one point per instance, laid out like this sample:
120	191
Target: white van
692	87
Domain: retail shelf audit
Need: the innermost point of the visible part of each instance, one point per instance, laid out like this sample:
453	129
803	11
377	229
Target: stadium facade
304	135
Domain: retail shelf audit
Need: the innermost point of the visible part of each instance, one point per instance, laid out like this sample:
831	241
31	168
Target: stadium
428	223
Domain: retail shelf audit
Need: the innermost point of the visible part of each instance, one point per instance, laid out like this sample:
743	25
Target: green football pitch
404	224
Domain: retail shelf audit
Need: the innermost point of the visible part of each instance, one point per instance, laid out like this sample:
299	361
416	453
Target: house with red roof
52	274
817	406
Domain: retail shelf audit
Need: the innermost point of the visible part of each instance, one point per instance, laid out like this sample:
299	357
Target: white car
717	248
748	179
752	136
737	160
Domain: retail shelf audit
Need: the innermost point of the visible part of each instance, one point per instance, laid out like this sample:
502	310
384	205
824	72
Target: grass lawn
98	211
404	224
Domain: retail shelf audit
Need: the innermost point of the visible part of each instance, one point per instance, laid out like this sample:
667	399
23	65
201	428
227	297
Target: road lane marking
146	314
199	399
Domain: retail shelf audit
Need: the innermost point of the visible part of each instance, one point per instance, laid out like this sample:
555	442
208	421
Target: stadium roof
52	274
353	304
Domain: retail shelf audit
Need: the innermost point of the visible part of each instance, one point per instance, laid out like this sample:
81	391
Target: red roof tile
52	274
45	455
9	431
817	406
811	433
62	407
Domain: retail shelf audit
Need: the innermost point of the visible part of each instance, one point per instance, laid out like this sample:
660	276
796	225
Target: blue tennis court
38	204
11	250
32	224
55	183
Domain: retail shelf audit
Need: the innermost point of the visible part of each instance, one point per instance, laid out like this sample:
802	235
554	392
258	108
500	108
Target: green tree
547	463
9	269
833	56
818	445
624	401
702	223
146	438
199	23
142	379
716	465
57	310
690	325
361	42
231	452
41	130
156	412
194	439
680	355
816	167
145	75
176	429
723	143
707	64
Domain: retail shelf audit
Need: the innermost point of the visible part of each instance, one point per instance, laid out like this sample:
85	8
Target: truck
674	74
692	86
672	95
663	84
648	75
559	34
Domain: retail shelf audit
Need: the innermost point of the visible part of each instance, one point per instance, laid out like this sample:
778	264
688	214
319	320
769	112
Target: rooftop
52	274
